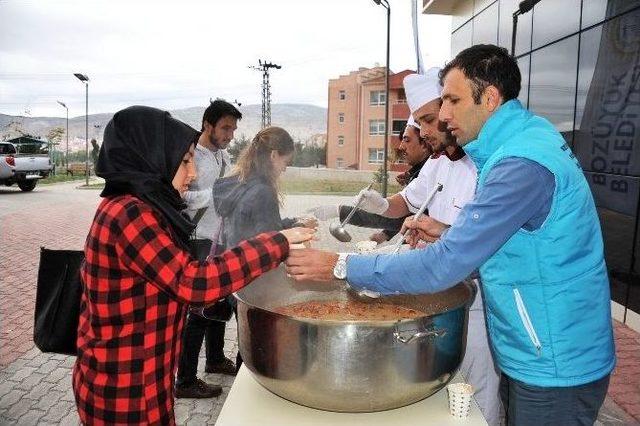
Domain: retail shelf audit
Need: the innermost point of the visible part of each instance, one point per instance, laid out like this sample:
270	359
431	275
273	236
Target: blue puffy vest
546	291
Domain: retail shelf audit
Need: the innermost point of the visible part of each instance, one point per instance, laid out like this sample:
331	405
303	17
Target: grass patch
334	187
60	178
306	186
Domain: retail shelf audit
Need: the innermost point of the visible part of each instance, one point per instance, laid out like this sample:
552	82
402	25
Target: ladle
337	229
423	207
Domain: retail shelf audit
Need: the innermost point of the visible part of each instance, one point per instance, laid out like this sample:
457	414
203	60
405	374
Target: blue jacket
546	291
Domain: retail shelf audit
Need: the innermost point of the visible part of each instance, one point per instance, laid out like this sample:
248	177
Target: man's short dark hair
487	65
218	109
422	141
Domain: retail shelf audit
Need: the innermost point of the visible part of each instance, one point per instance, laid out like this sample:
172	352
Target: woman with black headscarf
138	275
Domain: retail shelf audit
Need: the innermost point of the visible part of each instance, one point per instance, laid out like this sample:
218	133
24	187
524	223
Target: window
461	39
7	148
553	20
589	50
341	117
340	140
553	84
402	97
505	27
398	126
485	26
376	127
33	147
377	97
376	155
523	64
340	163
342	95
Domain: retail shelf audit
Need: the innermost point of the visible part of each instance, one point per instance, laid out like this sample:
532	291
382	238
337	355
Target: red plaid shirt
137	284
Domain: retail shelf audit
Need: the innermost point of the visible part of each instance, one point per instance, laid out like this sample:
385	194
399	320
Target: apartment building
355	122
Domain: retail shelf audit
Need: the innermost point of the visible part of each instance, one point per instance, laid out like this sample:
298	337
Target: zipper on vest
526	321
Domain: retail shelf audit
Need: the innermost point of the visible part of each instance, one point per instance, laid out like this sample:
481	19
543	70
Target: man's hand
425	229
379	237
311	264
298	235
372	201
325	212
307	222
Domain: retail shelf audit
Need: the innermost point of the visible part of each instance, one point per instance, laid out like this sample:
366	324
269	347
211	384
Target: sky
177	54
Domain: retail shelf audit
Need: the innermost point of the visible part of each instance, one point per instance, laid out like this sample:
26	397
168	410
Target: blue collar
496	131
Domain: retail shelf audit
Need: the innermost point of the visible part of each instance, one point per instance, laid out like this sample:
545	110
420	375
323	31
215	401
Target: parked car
22	169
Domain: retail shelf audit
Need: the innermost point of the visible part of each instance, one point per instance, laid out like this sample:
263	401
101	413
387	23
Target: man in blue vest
532	230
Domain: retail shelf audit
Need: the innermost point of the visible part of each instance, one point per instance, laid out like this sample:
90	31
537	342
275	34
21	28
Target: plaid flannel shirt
137	284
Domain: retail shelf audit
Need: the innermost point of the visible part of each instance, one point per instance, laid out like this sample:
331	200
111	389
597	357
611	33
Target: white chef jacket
458	179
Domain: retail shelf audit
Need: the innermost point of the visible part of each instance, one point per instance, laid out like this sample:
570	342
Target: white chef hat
412	122
421	89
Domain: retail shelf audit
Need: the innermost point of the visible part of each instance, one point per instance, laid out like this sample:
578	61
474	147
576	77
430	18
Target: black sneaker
226	366
198	389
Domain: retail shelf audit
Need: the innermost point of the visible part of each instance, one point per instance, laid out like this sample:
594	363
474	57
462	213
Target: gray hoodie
247	209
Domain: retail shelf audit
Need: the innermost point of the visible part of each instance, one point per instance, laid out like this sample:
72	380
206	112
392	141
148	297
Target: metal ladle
337	229
423	207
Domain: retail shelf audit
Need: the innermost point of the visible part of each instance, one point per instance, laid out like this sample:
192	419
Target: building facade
580	65
355	119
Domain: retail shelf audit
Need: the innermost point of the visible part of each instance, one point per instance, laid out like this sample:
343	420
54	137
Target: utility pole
266	89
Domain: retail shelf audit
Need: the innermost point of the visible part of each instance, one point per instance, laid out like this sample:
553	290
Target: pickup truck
23	169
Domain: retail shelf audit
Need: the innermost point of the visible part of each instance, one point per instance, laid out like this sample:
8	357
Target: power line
264	67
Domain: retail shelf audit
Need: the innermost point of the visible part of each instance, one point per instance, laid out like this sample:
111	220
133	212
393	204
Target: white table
249	403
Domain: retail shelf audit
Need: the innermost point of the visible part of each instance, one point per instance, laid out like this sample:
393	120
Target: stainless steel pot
351	366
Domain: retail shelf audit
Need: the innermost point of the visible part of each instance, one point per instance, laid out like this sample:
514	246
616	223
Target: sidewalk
35	388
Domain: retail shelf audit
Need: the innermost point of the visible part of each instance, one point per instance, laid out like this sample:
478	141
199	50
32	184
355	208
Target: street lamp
67	132
385	4
524	7
85	79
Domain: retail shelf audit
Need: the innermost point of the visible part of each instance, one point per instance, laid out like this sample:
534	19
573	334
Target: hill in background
304	122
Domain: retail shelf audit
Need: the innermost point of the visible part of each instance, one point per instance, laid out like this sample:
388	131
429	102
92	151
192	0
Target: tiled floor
35	388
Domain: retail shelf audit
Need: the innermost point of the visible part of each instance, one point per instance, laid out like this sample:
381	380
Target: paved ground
35	388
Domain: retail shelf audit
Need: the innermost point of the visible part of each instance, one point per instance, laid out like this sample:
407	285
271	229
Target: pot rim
466	282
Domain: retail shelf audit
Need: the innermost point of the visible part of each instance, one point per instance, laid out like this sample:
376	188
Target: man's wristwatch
340	270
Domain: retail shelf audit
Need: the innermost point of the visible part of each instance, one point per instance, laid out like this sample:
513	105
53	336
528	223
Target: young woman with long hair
249	200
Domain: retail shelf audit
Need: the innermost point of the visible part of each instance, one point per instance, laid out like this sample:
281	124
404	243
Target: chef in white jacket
456	172
450	167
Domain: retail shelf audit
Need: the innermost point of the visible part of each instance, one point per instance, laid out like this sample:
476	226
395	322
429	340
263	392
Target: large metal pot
352	366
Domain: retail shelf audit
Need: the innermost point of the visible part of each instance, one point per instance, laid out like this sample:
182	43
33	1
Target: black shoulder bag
58	296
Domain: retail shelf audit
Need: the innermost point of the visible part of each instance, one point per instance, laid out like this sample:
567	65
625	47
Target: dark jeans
533	405
195	330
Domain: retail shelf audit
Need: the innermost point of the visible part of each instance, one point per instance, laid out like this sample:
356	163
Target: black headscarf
140	155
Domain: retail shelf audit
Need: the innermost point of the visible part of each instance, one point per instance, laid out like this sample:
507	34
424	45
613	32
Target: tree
307	155
54	136
237	146
378	175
